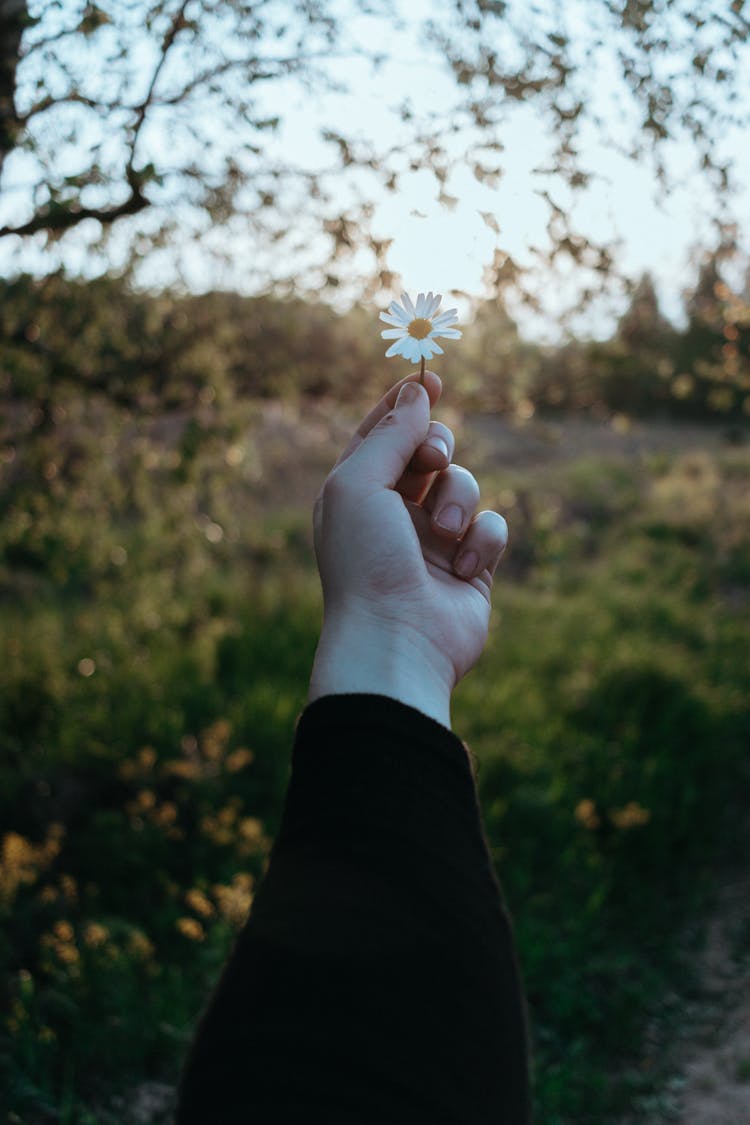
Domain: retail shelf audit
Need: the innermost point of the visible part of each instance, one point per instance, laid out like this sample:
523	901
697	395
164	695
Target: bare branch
177	24
14	17
56	218
74	97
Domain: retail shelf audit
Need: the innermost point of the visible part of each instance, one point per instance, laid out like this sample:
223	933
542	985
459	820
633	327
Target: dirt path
713	1083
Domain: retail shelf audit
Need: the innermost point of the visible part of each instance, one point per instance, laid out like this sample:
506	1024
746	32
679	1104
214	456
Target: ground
713	1055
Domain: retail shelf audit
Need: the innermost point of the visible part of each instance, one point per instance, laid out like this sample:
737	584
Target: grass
159	620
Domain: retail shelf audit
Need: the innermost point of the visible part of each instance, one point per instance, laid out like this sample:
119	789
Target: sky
448	250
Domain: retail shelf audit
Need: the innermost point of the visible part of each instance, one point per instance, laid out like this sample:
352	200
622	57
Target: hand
406	599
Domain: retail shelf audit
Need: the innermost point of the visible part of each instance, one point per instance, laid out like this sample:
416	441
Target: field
159	615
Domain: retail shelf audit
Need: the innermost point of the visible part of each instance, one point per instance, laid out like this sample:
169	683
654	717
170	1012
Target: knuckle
336	486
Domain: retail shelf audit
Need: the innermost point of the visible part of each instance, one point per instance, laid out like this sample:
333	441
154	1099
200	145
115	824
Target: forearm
376	979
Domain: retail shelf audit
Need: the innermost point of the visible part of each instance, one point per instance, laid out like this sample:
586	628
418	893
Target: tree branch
14	17
74	97
56	218
178	22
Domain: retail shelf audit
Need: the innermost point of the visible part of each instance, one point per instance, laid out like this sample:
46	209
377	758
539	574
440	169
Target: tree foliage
162	121
64	339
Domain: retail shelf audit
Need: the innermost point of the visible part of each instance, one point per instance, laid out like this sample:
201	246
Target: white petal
407	303
399	322
434	304
446	318
434	347
446	333
409	350
399	314
393	333
421	305
397	348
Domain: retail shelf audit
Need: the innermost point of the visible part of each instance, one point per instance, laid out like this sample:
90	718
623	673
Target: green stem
421	371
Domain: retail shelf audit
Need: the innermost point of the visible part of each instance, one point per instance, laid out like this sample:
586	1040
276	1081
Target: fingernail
438	445
450	518
408	393
494	566
467	564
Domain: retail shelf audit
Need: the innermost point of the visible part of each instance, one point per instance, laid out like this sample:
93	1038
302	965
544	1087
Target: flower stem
421	371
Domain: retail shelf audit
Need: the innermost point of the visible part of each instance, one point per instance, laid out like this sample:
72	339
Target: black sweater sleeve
375	982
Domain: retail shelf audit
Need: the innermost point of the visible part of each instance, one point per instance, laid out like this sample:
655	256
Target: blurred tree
169	114
62	338
642	326
631	371
491	369
712	358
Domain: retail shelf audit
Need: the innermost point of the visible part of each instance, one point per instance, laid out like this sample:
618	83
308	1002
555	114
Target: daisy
416	327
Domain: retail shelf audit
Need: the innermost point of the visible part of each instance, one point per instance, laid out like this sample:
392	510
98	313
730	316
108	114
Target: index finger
432	385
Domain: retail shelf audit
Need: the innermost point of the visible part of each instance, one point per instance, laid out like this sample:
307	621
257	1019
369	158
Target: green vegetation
60	338
159	615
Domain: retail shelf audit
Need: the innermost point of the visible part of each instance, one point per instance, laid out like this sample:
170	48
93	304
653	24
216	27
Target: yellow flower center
420	328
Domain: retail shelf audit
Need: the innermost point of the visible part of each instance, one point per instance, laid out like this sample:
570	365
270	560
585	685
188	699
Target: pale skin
406	593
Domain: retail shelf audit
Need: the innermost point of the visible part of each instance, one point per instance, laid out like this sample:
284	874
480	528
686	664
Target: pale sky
448	250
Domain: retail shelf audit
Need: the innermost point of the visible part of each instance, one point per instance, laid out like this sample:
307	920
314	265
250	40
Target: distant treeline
158	352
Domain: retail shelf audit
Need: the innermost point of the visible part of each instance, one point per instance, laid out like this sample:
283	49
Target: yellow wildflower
632	815
234	901
165	815
21	862
251	829
586	814
252	837
94	934
128	770
139	945
147	757
228	814
200	903
69	887
215	738
63	931
191	929
189	771
238	759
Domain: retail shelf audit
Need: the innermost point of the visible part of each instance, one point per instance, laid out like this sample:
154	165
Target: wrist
357	654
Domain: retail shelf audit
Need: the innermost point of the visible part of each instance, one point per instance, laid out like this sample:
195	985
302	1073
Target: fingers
382	456
434	389
452	502
413	454
433	455
481	546
436	451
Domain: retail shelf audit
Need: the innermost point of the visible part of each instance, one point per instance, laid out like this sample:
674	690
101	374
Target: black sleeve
375	982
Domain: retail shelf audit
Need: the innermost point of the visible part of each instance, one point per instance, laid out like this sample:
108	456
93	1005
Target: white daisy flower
417	326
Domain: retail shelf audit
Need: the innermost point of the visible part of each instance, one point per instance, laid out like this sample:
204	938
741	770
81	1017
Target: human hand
406	599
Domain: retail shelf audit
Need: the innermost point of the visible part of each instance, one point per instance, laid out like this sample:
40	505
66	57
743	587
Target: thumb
389	447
